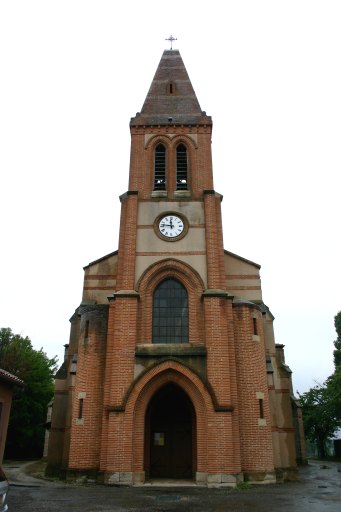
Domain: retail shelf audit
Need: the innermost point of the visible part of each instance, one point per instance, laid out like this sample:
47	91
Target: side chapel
172	370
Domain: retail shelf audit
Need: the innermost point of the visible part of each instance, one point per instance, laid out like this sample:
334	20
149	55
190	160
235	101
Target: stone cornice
212	292
124	294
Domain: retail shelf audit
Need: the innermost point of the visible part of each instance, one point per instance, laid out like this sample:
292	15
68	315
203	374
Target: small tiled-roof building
172	370
7	384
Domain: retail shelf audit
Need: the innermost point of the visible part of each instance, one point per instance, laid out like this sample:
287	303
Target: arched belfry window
181	167
170	313
160	168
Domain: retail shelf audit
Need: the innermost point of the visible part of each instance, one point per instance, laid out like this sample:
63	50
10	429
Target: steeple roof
171	98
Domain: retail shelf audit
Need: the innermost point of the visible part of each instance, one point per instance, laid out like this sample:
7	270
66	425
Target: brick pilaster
127	242
122	335
214	241
119	372
218	313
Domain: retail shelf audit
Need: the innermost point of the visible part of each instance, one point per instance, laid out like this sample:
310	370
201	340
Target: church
172	370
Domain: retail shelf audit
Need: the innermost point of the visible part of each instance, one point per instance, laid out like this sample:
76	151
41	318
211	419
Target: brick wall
255	432
86	427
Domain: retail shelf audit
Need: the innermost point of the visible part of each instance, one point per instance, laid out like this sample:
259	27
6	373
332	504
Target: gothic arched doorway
170	444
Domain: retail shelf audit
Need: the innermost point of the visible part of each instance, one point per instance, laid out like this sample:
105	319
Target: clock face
171	226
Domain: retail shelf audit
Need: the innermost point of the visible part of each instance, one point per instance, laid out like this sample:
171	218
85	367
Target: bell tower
172	369
171	173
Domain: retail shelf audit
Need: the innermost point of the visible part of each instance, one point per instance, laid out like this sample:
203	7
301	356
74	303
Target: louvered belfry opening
181	167
160	168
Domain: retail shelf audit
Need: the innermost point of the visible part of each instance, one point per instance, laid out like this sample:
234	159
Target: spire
171	98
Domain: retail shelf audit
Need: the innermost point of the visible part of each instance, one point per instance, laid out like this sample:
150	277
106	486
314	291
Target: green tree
334	381
25	436
337	342
319	415
322	404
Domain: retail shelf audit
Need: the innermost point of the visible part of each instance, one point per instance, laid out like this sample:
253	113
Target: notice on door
159	439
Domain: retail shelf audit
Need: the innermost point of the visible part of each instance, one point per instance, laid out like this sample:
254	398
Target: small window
255	330
86	330
80	408
181	167
261	408
171	88
160	168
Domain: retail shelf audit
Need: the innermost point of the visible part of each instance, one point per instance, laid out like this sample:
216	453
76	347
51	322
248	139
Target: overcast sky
72	73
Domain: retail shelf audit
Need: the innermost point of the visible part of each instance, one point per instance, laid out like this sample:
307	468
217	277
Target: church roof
241	258
171	98
12	379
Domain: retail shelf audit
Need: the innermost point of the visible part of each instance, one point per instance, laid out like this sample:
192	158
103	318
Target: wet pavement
317	490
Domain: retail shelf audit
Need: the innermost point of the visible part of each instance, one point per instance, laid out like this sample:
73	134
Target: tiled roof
171	98
10	378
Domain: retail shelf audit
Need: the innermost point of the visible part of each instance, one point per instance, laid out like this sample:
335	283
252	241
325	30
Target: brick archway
170	267
140	397
170	141
189	278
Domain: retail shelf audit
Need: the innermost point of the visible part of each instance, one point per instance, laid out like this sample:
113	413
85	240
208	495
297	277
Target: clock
171	226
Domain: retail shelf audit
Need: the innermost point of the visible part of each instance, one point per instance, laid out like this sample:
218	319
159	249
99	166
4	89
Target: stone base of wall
218	479
82	476
125	478
287	474
260	477
201	479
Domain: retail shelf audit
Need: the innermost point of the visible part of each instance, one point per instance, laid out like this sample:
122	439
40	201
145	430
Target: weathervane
171	39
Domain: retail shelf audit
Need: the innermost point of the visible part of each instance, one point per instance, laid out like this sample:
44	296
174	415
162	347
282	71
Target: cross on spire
171	39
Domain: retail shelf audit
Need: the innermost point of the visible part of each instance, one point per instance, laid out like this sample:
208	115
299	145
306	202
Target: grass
244	486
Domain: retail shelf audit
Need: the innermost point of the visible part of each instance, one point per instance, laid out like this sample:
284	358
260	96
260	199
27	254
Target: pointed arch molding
170	363
171	140
170	267
145	387
189	278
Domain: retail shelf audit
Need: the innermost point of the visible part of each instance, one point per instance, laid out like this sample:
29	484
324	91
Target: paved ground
318	490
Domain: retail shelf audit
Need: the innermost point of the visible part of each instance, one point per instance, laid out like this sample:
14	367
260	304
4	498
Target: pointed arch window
170	313
181	167
160	167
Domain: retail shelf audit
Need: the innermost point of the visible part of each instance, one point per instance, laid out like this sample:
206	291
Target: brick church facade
172	370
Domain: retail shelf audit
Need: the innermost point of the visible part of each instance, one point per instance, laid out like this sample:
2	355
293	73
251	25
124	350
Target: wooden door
171	431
